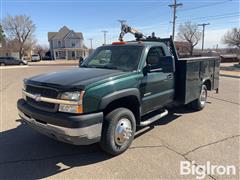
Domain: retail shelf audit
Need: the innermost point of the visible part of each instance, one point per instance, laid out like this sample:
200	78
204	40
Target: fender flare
119	94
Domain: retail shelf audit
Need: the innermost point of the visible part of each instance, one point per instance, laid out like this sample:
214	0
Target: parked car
12	61
47	58
117	88
35	58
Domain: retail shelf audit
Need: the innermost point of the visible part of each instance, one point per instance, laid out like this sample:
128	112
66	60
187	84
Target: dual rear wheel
200	103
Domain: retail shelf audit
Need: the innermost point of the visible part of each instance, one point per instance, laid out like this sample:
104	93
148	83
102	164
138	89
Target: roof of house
63	32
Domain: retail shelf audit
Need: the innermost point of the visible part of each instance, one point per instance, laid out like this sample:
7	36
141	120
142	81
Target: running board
154	118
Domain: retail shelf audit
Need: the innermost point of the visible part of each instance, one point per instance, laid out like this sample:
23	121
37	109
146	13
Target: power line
174	6
208	18
104	36
211	20
229	22
203	6
223	17
215	16
203	25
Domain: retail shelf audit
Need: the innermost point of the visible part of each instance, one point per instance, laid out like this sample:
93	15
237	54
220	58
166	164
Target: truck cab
114	90
150	62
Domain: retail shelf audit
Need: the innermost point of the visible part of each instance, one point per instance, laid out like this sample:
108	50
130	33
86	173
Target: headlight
72	96
75	96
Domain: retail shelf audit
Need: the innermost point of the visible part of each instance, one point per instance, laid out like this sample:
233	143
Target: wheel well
208	84
129	102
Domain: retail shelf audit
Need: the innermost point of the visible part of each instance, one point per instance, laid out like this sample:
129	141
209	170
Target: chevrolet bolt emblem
37	97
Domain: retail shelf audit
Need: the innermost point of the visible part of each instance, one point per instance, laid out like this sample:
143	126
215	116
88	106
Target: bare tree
12	44
40	50
15	46
232	38
20	28
189	32
29	45
2	36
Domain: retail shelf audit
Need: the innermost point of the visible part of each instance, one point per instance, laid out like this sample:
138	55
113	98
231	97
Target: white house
67	44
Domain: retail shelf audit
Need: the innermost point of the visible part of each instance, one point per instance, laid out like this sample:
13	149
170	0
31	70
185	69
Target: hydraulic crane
138	35
127	29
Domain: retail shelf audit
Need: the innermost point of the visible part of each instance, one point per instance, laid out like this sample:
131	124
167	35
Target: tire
2	64
200	103
116	123
21	64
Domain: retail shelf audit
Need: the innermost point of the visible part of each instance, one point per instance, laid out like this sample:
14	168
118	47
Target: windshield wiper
105	67
110	67
86	66
101	67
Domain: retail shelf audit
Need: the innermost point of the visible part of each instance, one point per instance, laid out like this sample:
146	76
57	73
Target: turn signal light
71	108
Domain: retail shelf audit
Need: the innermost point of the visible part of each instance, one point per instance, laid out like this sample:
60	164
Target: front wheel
200	103
118	131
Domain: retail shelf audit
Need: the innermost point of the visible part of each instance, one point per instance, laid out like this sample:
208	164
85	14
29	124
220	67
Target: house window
73	44
73	54
59	43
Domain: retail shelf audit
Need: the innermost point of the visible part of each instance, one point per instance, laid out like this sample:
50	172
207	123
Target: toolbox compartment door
190	75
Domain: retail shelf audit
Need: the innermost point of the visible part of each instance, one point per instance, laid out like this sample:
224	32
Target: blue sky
90	17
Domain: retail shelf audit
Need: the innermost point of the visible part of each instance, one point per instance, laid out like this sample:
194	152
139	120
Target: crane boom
127	29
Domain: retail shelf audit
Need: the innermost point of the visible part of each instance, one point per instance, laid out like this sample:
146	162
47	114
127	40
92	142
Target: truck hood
73	78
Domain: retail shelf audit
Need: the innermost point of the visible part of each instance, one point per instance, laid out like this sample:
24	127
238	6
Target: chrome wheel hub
203	96
123	131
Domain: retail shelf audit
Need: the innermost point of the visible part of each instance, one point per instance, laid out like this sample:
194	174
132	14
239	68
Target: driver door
157	87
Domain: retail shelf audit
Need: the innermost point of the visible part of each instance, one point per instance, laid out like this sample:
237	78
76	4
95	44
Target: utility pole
90	39
203	32
174	6
104	36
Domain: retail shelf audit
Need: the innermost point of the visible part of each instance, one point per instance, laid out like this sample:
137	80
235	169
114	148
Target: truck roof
137	43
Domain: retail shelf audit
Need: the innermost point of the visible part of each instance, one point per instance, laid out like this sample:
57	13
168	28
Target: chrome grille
44	92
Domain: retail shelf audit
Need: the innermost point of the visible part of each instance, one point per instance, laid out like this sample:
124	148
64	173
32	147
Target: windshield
115	57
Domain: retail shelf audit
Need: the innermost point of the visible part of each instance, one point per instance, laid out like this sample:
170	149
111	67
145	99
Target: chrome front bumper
78	136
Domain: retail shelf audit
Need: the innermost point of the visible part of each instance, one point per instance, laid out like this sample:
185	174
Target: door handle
169	76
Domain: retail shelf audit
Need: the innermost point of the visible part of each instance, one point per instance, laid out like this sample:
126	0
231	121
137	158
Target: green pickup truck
118	87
